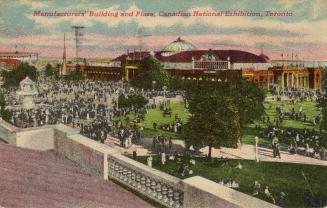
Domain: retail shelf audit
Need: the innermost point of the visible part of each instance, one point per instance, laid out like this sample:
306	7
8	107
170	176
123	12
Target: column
126	74
287	84
297	80
292	79
282	80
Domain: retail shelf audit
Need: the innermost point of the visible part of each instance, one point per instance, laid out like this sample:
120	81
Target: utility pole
77	39
140	37
64	62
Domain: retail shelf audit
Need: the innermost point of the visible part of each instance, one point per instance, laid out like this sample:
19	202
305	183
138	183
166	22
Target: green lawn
155	115
249	132
309	108
279	177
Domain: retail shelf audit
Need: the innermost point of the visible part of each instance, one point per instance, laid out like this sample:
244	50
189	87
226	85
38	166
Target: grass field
279	177
309	108
155	115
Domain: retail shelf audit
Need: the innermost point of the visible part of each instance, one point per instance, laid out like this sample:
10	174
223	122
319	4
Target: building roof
13	62
179	45
137	55
32	178
264	56
236	56
4	53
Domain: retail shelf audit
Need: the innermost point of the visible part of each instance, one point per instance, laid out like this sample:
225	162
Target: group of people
295	95
306	142
258	189
88	106
162	144
129	136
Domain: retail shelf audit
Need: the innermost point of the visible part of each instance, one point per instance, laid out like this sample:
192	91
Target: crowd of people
306	141
88	106
162	144
295	95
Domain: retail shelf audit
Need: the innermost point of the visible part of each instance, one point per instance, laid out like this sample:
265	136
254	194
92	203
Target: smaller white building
22	56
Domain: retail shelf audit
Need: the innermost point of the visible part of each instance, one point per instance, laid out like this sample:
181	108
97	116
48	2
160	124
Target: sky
303	33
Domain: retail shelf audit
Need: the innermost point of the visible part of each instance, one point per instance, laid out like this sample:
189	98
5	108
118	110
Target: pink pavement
35	179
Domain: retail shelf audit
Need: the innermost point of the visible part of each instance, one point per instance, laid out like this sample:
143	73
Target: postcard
149	103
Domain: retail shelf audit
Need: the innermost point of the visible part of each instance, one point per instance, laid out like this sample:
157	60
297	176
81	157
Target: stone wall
88	153
8	132
211	195
39	138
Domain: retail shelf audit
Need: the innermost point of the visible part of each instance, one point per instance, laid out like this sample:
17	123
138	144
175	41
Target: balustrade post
129	176
134	179
148	185
116	173
164	194
153	188
170	196
120	176
124	174
176	199
158	190
143	188
138	179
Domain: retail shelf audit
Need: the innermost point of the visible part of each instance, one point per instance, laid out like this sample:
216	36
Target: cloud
116	35
34	4
289	3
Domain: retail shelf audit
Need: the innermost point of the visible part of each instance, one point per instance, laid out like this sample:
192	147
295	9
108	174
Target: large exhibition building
181	58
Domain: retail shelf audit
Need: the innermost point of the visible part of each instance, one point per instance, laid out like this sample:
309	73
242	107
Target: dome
179	45
264	56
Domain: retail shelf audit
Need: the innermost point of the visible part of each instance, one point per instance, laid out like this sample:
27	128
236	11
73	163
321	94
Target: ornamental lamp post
256	148
122	82
153	83
117	94
164	89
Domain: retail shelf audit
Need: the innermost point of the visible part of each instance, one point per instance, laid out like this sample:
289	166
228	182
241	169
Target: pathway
246	152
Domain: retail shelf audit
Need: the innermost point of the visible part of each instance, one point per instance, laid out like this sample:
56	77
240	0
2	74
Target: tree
214	117
75	76
138	101
149	70
51	72
13	77
5	114
123	101
219	110
250	100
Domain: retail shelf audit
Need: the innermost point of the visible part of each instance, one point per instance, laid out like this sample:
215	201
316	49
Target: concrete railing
201	192
105	161
161	187
37	138
8	132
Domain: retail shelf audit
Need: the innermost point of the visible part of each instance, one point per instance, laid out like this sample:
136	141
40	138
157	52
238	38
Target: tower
64	62
78	34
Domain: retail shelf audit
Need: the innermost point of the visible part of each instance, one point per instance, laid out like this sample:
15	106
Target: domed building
182	59
178	45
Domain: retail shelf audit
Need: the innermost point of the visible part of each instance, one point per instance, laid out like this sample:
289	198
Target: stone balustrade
161	187
107	162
